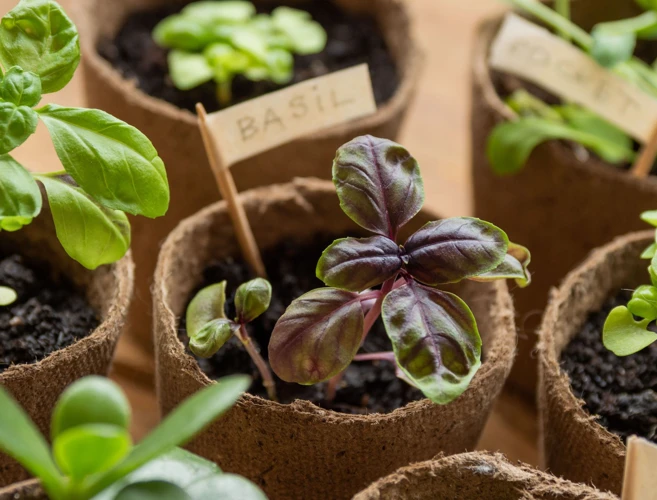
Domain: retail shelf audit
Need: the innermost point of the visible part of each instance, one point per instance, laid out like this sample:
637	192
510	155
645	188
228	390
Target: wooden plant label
640	481
533	53
261	124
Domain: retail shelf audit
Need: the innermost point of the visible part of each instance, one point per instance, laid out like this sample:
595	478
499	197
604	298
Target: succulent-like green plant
208	328
434	336
109	167
622	333
612	45
93	456
217	40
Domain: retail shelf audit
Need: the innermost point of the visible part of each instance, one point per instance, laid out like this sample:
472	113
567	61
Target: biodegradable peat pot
26	490
476	475
37	386
574	445
176	136
300	450
557	206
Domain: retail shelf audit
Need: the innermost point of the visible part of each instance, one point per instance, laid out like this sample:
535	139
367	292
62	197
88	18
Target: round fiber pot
36	386
558	206
574	445
299	450
26	490
176	136
476	475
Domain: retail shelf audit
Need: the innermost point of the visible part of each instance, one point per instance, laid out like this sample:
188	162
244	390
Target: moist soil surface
621	391
352	40
49	315
368	387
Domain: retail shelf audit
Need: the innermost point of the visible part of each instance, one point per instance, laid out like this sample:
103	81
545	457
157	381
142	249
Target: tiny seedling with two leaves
92	455
626	330
612	45
109	167
435	340
217	41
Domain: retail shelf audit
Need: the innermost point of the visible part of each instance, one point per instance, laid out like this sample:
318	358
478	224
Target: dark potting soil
368	387
49	314
352	40
621	391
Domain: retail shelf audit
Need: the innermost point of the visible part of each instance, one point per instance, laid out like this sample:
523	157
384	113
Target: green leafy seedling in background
7	296
622	333
209	329
109	167
435	340
93	456
612	45
218	40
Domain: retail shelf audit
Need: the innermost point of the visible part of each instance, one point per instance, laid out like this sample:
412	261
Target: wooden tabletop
436	133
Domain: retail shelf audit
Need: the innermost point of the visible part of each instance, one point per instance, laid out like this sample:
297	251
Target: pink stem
261	364
376	356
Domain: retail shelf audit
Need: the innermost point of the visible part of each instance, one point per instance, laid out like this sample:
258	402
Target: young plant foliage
626	330
217	41
434	336
109	166
93	455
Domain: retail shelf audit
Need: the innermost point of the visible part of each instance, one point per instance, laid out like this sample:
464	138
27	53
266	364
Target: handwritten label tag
261	124
535	54
640	481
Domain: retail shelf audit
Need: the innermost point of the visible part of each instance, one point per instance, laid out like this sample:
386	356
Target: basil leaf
38	36
211	337
435	339
358	264
152	490
514	266
188	70
207	305
317	337
252	299
623	335
7	296
20	198
586	121
90	234
181	32
451	250
111	160
17	123
21	88
225	487
378	183
227	11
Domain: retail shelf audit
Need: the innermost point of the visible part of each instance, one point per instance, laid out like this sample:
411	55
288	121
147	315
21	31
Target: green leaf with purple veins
252	299
514	266
451	250
317	337
435	339
358	264
378	183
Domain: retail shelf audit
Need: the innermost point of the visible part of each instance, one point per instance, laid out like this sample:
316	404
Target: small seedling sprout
7	296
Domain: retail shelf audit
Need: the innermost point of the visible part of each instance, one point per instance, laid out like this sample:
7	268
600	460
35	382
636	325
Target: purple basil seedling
209	329
434	335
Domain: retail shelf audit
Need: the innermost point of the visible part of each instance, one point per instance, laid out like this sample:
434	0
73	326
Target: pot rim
410	70
485	33
497	354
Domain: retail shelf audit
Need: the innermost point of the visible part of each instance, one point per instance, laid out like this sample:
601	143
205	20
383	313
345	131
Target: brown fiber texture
37	386
175	133
301	451
470	476
574	445
26	490
557	206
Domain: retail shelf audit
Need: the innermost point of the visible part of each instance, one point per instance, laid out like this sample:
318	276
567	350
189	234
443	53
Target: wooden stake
646	159
228	191
640	481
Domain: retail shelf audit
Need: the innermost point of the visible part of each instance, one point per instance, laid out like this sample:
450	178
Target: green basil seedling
626	330
7	296
109	167
433	333
217	41
209	329
93	455
612	45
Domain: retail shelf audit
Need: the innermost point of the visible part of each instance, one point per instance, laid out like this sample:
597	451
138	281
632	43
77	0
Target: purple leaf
450	250
317	337
435	339
378	183
514	266
358	264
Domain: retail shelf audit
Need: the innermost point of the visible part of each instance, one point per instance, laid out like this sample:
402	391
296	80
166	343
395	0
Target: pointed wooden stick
640	481
228	191
646	159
